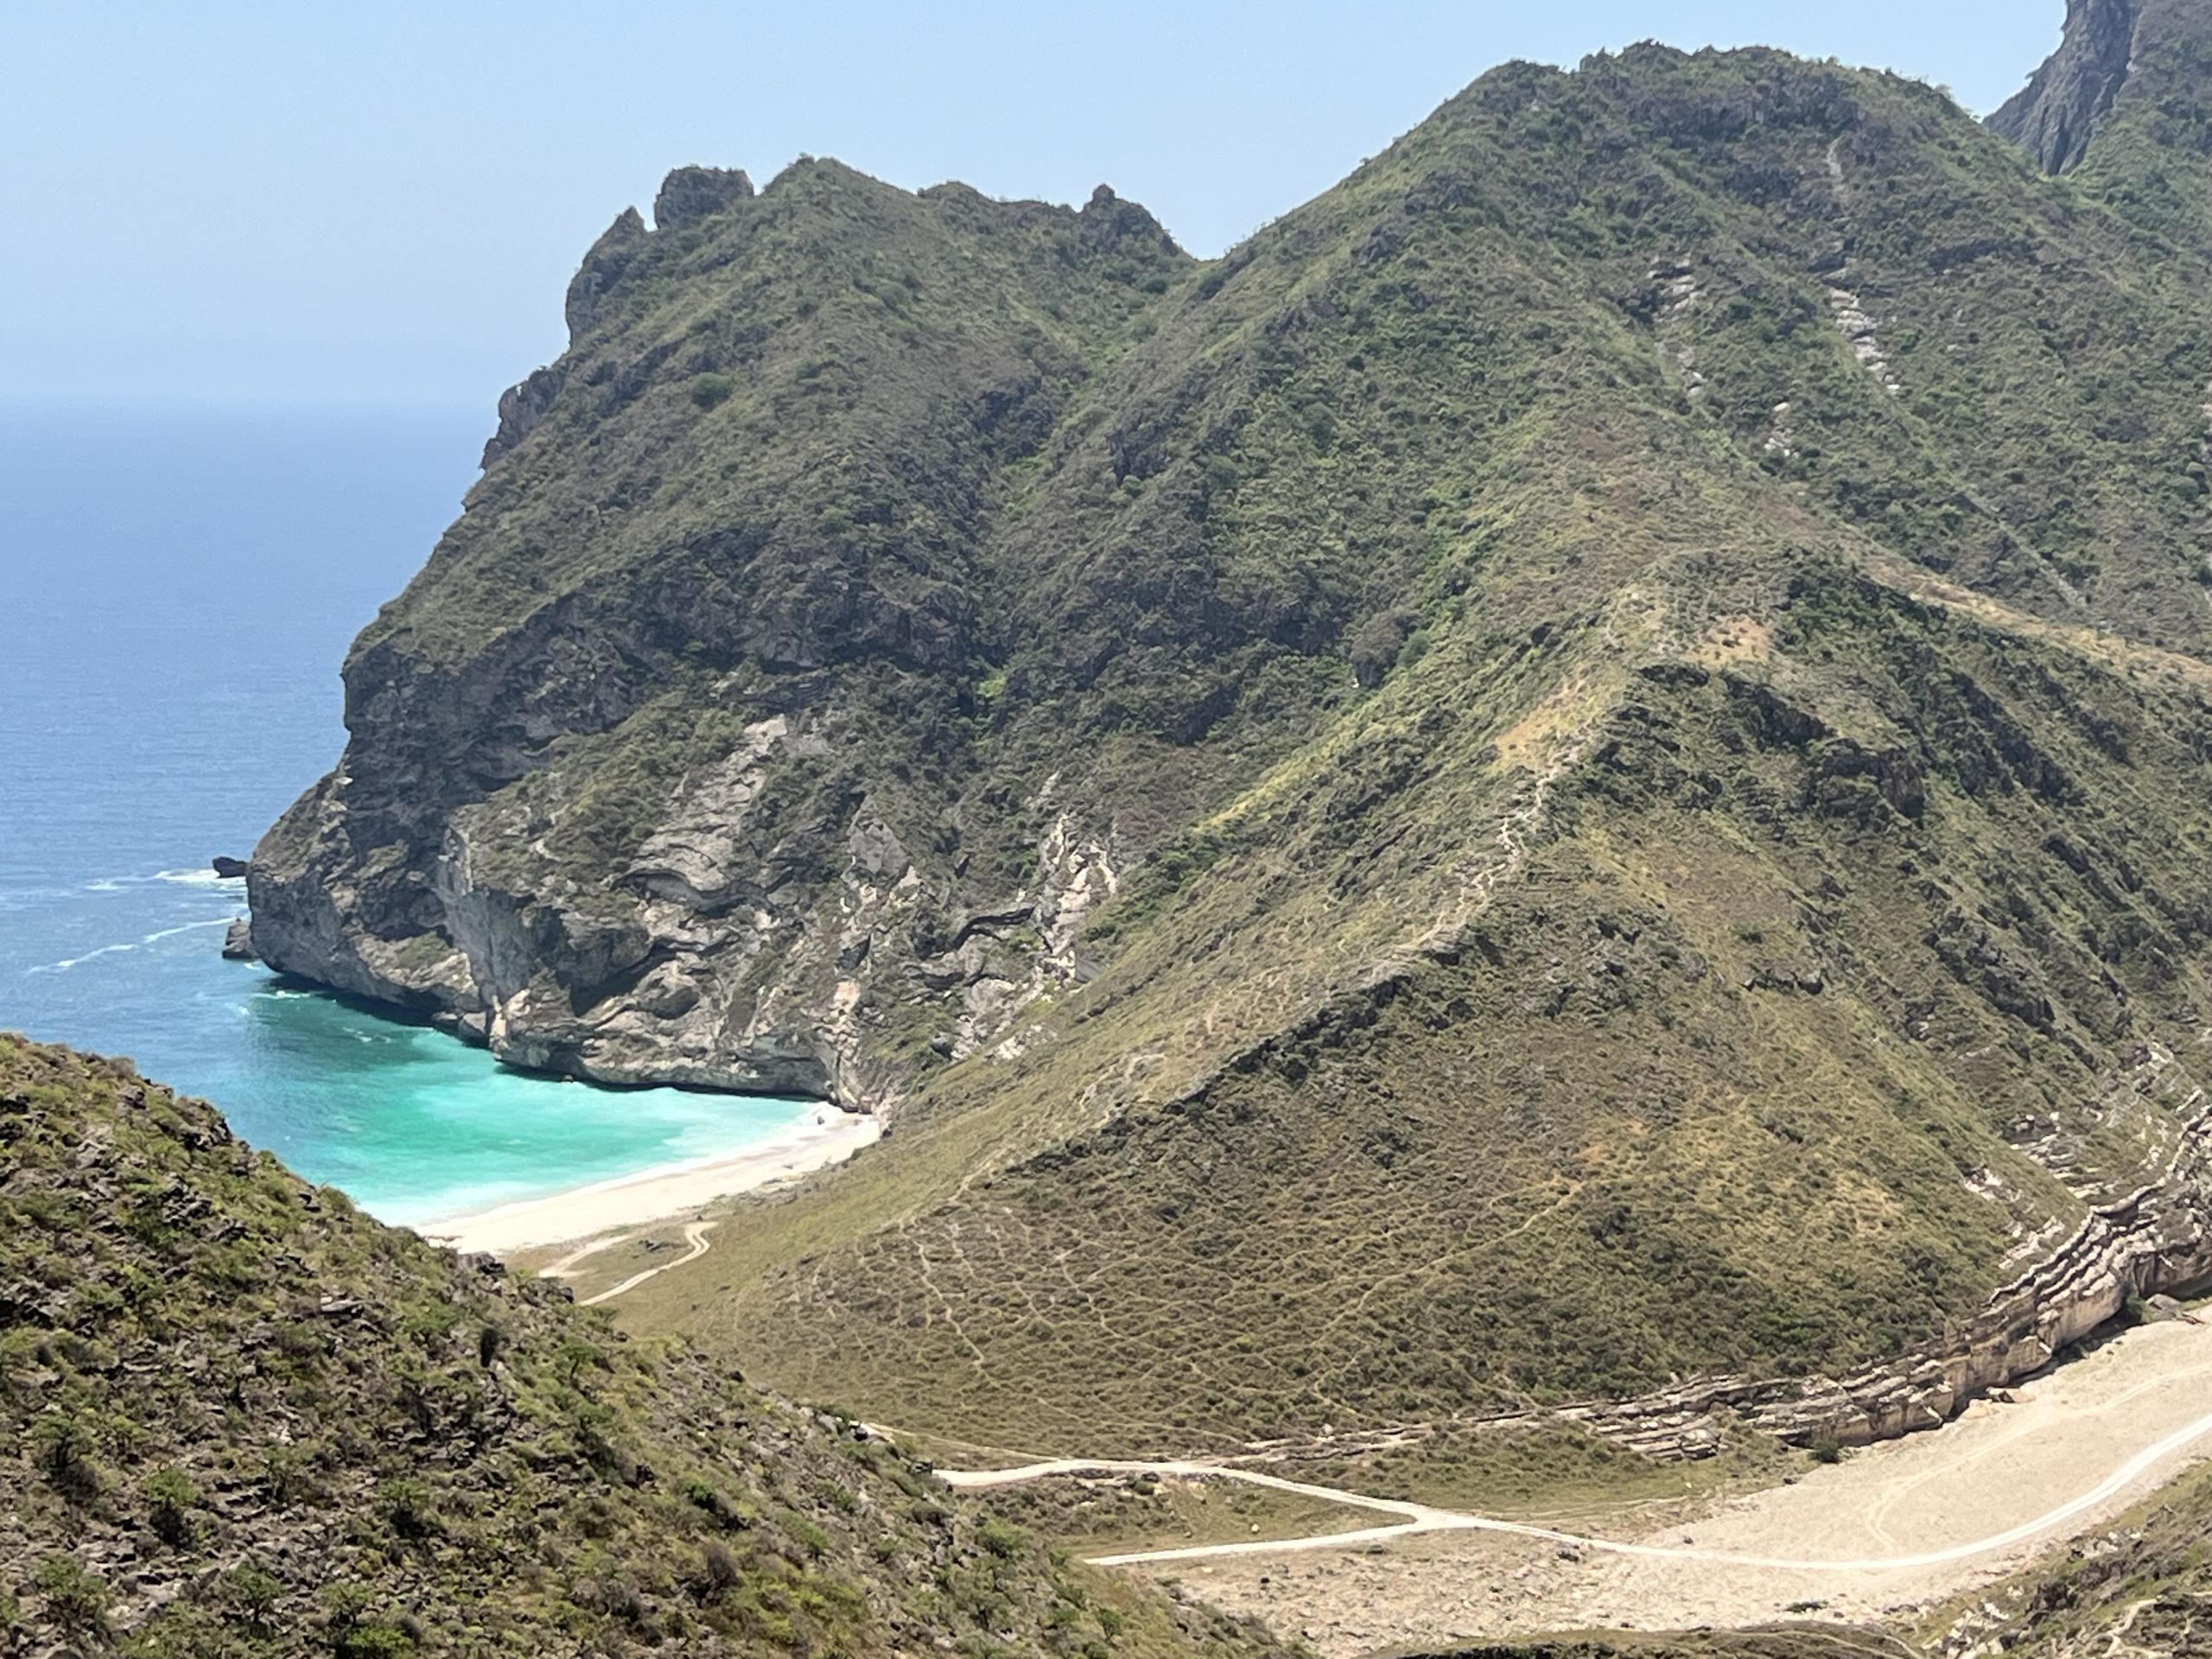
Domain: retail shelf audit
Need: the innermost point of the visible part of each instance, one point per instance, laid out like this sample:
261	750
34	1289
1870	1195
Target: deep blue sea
176	594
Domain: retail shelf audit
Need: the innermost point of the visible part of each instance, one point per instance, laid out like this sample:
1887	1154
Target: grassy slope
1620	1136
1630	982
242	1420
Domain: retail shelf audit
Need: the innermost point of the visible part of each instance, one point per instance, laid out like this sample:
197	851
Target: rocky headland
1580	769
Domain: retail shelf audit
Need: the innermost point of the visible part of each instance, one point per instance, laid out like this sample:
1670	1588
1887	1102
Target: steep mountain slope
2123	100
242	1419
708	639
2125	105
2151	157
1583	764
2057	114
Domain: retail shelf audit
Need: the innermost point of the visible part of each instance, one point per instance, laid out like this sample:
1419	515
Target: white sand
659	1194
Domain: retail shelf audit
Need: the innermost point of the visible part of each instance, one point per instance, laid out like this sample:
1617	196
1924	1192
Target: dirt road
694	1234
1908	1522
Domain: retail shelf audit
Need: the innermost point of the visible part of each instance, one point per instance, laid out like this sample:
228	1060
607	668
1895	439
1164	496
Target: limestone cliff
673	792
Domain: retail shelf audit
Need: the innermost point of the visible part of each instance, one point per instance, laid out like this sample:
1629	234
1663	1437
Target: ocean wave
67	963
206	878
155	937
171	932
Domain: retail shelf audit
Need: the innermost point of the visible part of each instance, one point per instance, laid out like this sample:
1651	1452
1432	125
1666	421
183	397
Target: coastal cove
185	584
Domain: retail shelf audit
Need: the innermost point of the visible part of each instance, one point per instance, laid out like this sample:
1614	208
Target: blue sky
236	200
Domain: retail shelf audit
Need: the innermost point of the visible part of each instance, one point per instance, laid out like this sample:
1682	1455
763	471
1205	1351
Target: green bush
410	1507
252	1593
170	1498
74	1596
373	1642
288	1474
62	1444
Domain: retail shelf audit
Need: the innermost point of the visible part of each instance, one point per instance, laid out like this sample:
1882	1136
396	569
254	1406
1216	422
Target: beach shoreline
662	1194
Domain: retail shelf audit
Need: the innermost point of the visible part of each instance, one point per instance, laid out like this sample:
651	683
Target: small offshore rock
238	943
230	869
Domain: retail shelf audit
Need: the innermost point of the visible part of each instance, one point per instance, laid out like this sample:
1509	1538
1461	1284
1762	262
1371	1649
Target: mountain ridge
1615	705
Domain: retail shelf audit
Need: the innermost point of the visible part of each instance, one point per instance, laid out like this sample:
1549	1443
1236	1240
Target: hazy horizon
264	208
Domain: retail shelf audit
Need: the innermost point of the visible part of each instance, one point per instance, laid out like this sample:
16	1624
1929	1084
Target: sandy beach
653	1195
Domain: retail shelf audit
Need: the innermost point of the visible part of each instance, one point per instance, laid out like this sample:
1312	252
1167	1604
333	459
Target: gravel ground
1998	1467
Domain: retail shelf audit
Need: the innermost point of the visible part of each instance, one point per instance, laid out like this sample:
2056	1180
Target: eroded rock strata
673	796
2154	1243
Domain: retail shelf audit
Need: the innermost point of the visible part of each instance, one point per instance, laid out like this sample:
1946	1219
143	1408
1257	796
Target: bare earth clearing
1895	1526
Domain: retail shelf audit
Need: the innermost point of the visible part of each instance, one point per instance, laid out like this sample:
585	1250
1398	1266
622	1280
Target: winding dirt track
1905	1525
694	1234
1419	1518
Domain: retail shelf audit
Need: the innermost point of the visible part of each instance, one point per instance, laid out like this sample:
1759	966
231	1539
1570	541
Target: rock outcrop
521	408
689	193
720	964
2055	115
2156	1242
662	824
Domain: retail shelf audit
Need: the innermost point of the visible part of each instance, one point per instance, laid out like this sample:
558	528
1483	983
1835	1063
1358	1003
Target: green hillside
1585	763
241	1419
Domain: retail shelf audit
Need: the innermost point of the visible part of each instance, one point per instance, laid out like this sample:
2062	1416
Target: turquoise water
176	593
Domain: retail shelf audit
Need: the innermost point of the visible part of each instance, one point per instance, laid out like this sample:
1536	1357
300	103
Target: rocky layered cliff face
2125	105
667	767
2054	117
2154	1243
1583	763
